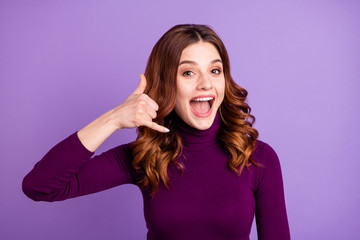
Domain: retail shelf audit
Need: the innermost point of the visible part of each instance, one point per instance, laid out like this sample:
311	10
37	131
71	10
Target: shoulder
122	152
123	156
269	173
124	148
265	154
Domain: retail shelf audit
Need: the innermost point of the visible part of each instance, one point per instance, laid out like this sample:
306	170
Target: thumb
142	85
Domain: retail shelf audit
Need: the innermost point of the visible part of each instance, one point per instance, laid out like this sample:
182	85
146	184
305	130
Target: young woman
201	170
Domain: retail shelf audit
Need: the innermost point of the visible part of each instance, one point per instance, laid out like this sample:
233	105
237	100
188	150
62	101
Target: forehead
200	51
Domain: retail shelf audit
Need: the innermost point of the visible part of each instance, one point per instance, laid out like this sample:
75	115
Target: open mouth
202	106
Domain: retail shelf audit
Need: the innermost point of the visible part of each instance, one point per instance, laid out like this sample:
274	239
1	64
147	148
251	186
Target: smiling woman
195	128
200	85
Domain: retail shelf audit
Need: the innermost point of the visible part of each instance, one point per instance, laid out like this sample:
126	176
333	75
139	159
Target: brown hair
154	151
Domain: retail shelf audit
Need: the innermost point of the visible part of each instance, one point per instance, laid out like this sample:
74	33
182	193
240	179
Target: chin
202	123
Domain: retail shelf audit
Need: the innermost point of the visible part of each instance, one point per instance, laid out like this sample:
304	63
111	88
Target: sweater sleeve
68	171
270	212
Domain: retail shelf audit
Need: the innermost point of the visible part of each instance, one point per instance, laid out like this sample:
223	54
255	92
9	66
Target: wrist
110	122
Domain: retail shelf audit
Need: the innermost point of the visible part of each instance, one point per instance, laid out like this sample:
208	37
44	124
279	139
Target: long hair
154	151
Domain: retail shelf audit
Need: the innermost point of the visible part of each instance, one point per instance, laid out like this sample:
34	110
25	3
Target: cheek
182	92
221	89
180	97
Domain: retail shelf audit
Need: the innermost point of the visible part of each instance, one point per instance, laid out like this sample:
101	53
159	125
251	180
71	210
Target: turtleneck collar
194	139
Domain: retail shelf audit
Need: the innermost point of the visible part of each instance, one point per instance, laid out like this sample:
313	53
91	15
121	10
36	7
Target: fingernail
166	130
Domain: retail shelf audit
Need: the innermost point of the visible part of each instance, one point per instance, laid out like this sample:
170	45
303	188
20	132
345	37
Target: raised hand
137	110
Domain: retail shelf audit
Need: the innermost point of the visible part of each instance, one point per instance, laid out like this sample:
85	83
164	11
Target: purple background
64	63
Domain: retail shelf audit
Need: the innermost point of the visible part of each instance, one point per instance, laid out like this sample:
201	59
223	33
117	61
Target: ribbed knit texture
208	201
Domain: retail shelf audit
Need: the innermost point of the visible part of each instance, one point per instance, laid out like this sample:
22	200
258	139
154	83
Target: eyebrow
194	63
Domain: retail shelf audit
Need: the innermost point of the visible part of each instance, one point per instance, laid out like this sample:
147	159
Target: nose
204	82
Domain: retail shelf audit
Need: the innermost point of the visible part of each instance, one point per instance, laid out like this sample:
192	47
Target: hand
137	110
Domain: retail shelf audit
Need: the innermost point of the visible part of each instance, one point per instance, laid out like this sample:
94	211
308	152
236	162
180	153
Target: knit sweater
206	201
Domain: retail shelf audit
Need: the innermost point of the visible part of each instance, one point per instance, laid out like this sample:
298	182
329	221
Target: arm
137	110
68	170
270	212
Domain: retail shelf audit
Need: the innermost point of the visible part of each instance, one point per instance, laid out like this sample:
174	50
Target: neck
195	139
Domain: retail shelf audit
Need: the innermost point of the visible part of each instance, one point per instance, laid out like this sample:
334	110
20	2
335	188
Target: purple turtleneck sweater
207	201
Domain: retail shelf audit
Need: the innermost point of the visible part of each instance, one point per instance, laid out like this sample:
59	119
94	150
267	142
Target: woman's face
200	85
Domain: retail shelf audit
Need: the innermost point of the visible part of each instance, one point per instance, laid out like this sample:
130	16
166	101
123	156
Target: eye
216	71
188	73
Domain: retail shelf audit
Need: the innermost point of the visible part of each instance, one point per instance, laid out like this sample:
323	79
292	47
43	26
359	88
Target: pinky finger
156	127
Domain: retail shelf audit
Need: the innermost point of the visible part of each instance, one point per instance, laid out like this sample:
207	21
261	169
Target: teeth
203	99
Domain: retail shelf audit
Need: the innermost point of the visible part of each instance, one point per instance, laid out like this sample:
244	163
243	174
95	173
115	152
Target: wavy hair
154	151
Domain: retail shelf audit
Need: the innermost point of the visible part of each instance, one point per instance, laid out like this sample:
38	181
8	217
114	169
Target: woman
202	172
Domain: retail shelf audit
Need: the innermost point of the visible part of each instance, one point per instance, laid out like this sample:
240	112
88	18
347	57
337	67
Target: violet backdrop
64	63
